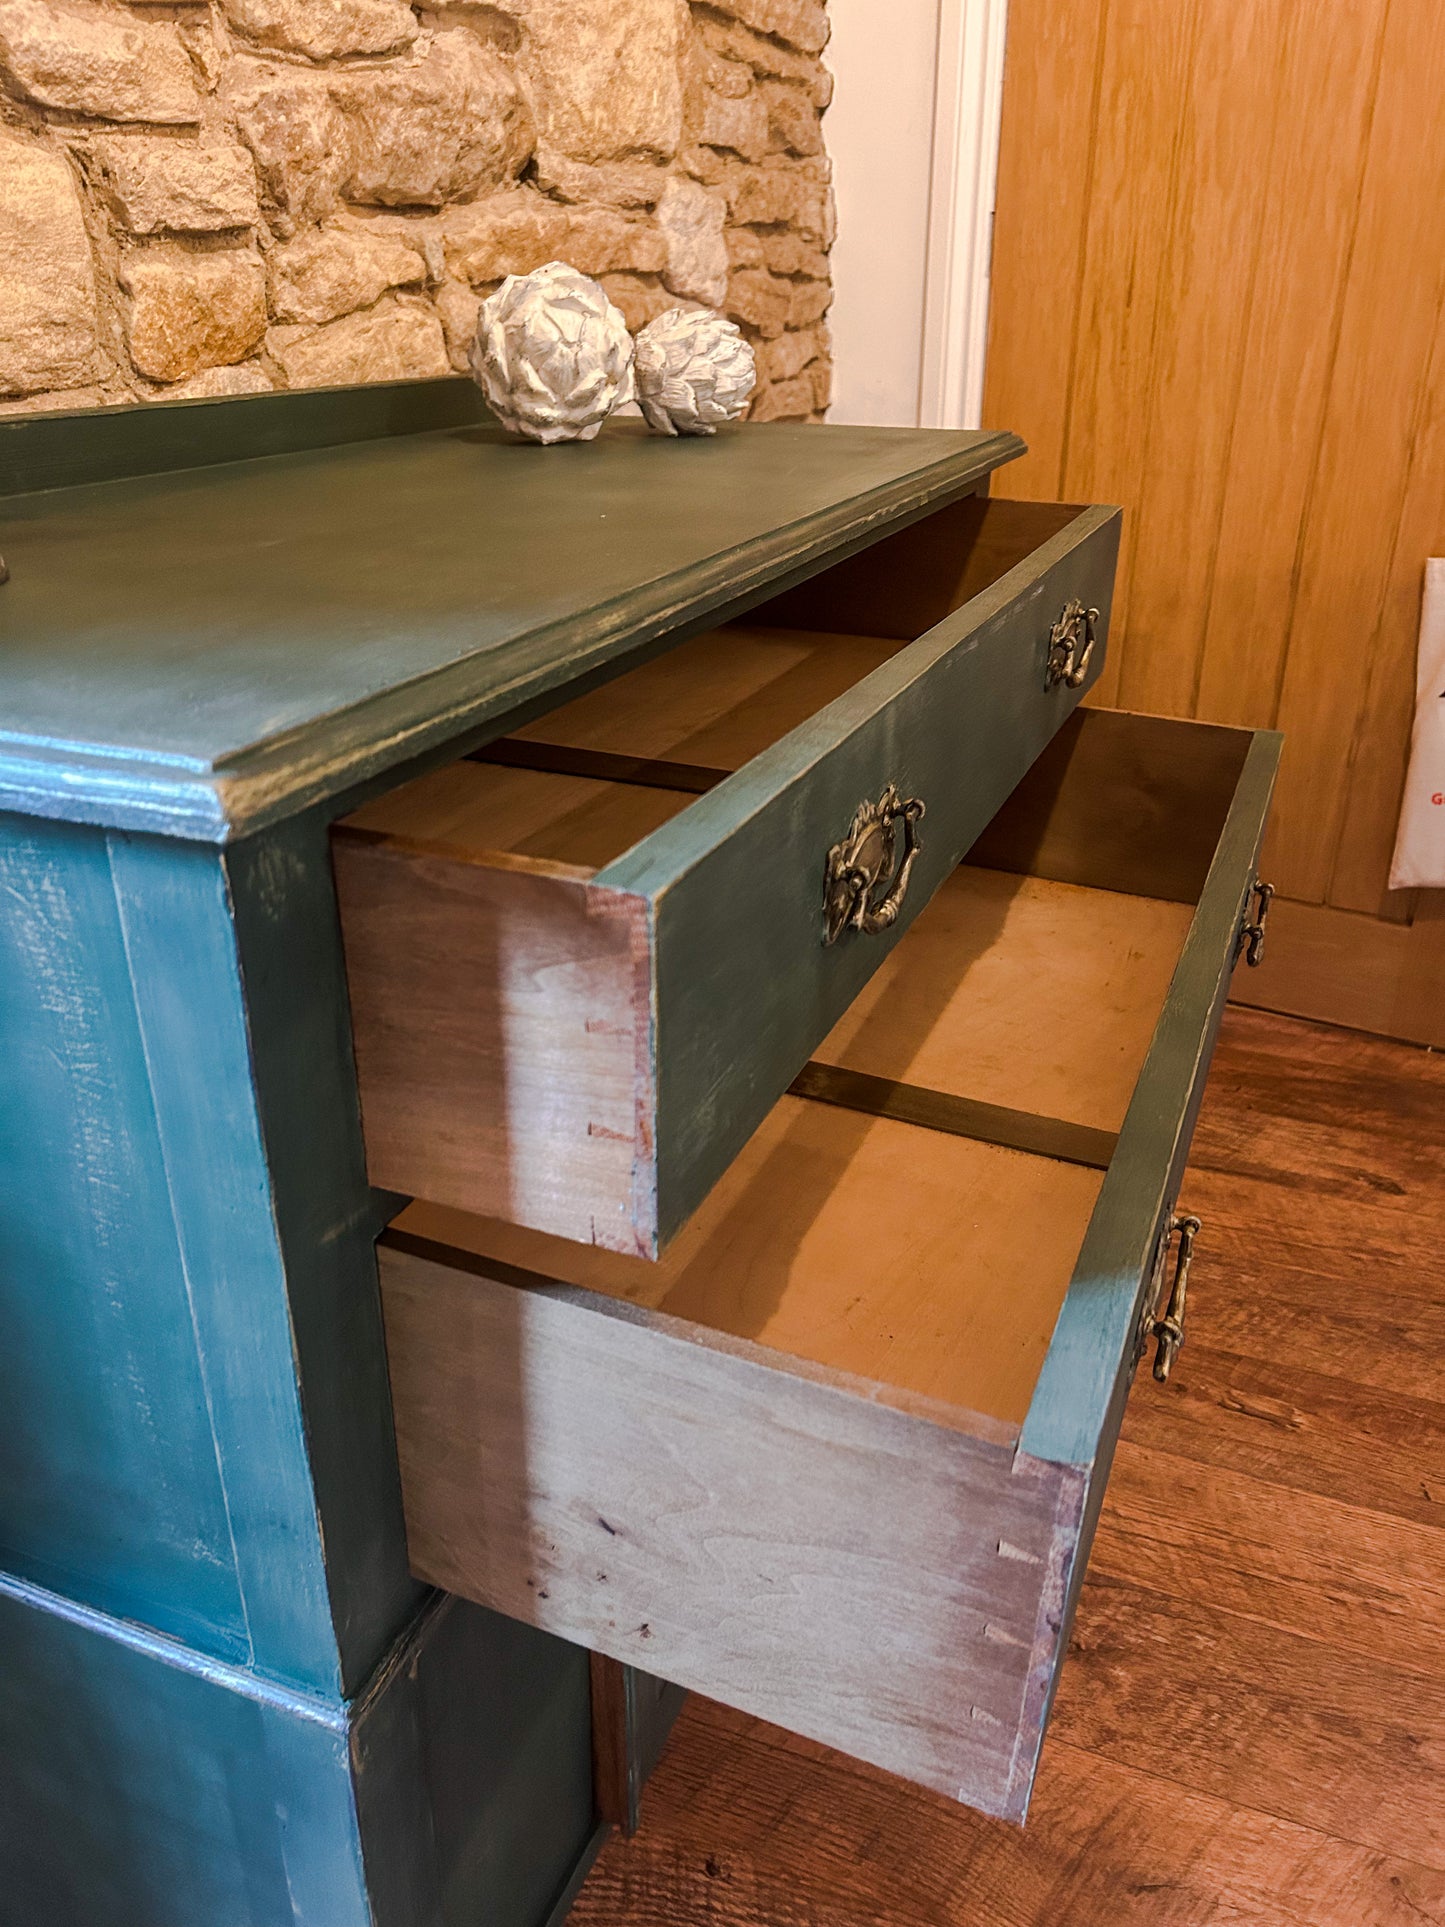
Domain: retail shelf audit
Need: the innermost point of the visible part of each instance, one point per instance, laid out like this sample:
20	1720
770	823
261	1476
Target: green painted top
200	649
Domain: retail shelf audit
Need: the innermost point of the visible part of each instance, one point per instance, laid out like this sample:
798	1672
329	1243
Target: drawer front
1078	1406
671	993
836	1460
777	1540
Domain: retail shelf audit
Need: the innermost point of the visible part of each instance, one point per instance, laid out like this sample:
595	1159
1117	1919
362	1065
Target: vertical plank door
1219	300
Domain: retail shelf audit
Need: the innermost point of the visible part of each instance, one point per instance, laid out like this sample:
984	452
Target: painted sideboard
224	1700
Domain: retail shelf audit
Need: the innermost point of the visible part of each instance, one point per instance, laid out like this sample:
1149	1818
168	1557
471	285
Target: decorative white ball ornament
552	354
693	370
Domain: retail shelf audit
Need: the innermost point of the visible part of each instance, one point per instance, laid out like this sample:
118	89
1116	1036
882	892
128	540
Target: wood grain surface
931	1263
1251	1722
1220	302
879	1572
499	1019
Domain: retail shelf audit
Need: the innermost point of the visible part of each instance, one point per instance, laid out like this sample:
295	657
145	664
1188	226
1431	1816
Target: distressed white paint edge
967	109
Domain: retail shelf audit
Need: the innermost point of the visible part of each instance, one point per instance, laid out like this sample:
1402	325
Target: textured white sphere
693	371
552	354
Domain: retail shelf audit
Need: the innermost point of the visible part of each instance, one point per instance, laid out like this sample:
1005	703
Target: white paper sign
1420	845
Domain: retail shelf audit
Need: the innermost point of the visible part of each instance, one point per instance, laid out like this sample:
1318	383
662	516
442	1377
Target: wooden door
1218	277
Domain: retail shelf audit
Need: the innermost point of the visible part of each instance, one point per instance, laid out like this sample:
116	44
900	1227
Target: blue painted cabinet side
145	1786
324	1220
142	1794
199	1443
474	1773
110	1485
472	1735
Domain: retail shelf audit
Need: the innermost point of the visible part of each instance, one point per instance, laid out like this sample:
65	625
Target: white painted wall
913	134
879	130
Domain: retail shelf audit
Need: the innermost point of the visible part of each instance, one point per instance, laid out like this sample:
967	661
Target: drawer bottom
911	1212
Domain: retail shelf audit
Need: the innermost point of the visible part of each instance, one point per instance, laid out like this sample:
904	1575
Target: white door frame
967	103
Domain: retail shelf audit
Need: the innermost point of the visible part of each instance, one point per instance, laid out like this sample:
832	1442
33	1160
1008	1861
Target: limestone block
783	401
713	166
444	126
808	301
333	272
300	138
201	36
519	232
800	23
56	400
92	60
246	378
784	253
606	74
154	184
188	311
691	219
794	196
612	183
721	74
745	248
47	284
790	353
324	29
391	342
759	299
458	305
739	124
641	297
765	57
496	22
793	123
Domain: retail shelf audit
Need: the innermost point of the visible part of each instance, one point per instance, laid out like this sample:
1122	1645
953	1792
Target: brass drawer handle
1071	646
1251	932
1168	1329
868	871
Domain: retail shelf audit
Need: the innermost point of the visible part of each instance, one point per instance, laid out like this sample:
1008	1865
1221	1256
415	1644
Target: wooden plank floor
1251	1722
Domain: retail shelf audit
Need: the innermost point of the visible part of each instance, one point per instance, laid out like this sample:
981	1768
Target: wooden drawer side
1080	1395
1078	1405
504	1048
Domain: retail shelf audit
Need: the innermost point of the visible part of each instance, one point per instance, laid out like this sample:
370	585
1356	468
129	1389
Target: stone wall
220	198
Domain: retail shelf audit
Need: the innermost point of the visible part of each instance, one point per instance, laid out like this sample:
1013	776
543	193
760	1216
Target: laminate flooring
1250	1726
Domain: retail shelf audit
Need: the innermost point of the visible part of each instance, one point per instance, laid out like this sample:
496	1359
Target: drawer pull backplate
1168	1327
1071	646
1251	933
867	873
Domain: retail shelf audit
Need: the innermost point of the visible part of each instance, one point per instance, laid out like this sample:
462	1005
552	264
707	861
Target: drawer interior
585	960
925	1258
835	1459
590	780
912	1211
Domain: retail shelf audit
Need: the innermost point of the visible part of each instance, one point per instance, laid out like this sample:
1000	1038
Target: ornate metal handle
1071	646
868	871
1168	1329
1251	931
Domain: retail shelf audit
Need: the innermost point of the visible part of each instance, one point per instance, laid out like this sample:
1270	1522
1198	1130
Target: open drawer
836	1459
585	961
